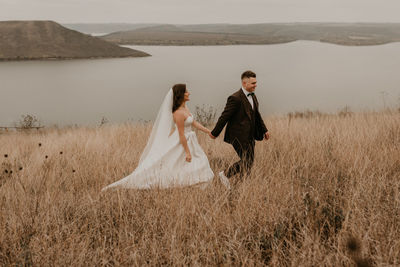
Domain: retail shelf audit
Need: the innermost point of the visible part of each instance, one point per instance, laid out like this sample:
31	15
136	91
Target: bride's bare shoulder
178	115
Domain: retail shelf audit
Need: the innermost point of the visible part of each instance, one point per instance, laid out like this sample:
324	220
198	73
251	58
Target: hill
267	33
24	40
181	35
105	28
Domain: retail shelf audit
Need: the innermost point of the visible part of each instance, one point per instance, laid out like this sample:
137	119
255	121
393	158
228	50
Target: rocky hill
26	40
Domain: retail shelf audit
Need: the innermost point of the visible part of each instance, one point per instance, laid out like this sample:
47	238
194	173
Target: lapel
255	103
247	105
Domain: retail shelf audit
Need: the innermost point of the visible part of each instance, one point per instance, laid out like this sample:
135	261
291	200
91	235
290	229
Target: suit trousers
245	152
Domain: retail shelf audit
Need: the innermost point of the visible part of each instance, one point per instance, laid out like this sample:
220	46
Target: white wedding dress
163	162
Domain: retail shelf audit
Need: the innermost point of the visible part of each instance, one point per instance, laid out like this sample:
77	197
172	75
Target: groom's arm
263	125
231	107
266	133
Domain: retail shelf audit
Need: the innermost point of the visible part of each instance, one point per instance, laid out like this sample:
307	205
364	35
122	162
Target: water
291	77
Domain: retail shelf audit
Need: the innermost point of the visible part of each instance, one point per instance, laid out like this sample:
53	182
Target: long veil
162	161
160	132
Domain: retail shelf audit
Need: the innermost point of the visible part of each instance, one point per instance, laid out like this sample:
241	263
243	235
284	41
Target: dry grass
319	184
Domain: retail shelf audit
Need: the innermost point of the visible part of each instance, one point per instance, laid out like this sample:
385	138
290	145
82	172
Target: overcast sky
201	11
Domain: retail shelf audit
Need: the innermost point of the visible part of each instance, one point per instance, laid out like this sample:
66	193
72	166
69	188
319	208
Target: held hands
210	135
266	135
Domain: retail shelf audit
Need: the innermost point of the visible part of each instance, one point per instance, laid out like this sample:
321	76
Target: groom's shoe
224	180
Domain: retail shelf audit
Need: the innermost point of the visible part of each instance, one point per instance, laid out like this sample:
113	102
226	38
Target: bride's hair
179	95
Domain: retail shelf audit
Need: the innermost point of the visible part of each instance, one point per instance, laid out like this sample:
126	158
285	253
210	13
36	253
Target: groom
245	125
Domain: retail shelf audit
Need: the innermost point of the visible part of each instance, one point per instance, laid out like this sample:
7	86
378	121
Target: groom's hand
266	136
212	136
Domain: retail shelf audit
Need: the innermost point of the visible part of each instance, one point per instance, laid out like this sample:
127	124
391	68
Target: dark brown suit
244	126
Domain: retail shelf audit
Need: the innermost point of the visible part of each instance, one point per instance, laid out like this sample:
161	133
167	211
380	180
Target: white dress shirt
248	97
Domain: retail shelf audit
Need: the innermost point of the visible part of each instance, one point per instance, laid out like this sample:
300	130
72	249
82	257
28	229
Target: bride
172	156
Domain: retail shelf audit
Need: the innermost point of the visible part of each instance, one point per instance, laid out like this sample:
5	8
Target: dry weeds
324	191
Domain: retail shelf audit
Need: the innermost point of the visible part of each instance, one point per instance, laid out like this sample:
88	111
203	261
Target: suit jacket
243	123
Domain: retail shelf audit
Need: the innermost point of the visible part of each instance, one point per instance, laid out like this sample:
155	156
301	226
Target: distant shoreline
347	34
287	42
343	43
62	58
180	45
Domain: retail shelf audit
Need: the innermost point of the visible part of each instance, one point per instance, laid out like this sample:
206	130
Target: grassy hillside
21	40
104	27
269	33
324	191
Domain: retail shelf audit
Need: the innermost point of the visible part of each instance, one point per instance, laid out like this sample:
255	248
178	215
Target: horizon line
215	23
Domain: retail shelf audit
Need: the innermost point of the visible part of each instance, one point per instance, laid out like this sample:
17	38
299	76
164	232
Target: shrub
28	121
205	115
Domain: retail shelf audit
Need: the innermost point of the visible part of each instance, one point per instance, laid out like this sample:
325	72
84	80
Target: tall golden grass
319	182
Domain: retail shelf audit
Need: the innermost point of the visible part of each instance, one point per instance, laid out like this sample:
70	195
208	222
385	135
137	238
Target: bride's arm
180	120
200	127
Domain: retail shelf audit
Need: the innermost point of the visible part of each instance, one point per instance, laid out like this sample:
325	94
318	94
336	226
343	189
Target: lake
291	77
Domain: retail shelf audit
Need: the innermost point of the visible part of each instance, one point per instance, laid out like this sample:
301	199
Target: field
324	191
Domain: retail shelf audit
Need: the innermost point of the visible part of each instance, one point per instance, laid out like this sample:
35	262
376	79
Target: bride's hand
188	157
208	132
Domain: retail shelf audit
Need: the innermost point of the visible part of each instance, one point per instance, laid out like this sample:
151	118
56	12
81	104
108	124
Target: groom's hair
248	74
